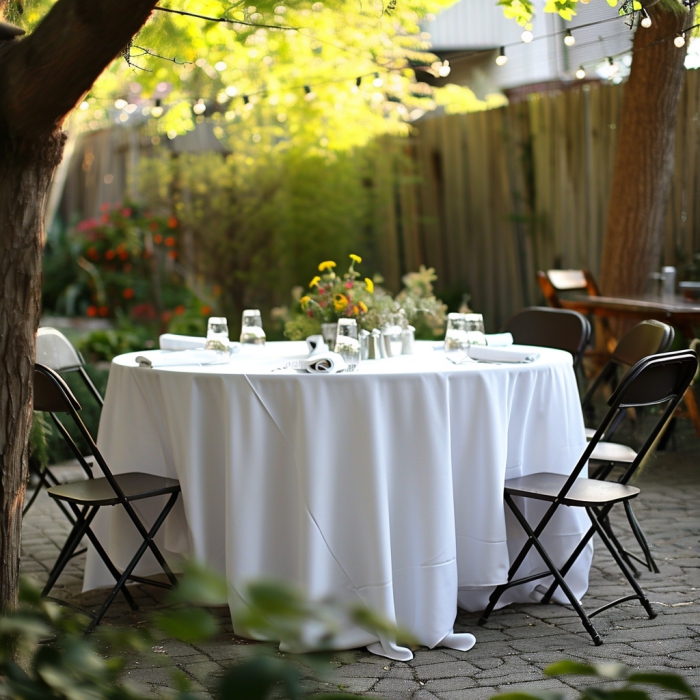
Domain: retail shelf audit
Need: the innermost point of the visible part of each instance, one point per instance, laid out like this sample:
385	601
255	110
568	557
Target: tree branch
43	76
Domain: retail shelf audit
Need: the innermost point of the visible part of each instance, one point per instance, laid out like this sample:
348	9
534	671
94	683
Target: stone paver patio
511	650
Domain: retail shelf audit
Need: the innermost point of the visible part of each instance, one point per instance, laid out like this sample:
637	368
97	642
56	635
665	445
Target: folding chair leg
621	563
69	547
641	538
605	524
42	483
556	573
145	544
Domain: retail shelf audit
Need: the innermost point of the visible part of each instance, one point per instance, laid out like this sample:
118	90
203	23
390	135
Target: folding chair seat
55	351
653	381
551	328
86	497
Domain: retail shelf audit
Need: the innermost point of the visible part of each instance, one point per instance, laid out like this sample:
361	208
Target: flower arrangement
350	296
335	297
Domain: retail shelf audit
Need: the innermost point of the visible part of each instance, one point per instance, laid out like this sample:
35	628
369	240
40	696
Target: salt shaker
668	277
376	345
364	344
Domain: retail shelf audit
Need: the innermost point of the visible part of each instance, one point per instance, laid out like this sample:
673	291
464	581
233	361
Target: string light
501	59
580	73
310	94
377	82
646	20
200	107
614	68
679	41
569	38
157	111
120	104
527	36
358	81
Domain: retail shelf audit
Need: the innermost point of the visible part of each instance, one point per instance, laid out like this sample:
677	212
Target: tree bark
42	77
644	159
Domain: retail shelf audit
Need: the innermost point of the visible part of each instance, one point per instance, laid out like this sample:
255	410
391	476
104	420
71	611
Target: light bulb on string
569	39
309	93
614	68
358	81
646	20
679	41
444	69
199	107
501	59
527	36
581	73
377	82
157	111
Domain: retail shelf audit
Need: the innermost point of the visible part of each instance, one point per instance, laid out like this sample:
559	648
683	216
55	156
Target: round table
382	486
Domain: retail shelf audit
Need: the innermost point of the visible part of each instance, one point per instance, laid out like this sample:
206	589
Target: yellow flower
327	265
340	301
363	307
355	258
314	282
370	285
304	301
355	309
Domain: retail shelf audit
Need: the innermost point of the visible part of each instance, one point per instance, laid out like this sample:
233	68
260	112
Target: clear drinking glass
346	343
475	329
252	332
456	338
217	334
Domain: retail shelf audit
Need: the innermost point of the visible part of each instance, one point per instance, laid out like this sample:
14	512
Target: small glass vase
329	332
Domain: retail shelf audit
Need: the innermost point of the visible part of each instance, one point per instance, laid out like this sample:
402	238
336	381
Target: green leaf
669	681
570	668
187	624
257	678
534	694
200	586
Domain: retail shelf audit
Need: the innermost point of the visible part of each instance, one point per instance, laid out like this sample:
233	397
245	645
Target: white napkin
316	345
183	357
499	340
170	341
490	354
321	363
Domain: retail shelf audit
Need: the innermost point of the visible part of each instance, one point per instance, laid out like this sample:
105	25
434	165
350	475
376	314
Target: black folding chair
54	350
651	382
86	497
645	339
551	328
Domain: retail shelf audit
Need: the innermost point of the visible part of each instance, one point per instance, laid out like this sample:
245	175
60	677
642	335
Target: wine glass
217	334
456	338
252	332
346	343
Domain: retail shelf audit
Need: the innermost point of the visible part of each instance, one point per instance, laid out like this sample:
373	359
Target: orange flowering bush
130	261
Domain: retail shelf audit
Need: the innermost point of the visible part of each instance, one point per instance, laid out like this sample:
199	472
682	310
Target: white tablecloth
383	486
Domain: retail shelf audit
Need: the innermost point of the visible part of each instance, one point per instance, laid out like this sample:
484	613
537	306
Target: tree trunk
26	170
644	159
42	77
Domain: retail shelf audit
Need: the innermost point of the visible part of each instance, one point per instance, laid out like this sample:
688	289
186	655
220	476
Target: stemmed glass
456	338
252	332
346	343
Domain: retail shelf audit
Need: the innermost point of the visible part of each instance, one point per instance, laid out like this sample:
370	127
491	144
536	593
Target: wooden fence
489	198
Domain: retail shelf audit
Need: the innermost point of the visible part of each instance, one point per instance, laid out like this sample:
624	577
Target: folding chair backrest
550	328
51	393
568	280
646	338
657	379
54	350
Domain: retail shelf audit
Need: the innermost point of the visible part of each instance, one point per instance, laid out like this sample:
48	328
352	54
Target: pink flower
87	225
348	285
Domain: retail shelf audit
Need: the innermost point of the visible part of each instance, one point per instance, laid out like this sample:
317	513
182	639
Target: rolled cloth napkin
499	340
184	357
490	354
170	341
316	345
322	363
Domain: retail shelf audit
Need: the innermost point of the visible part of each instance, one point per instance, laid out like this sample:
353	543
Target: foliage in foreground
44	655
